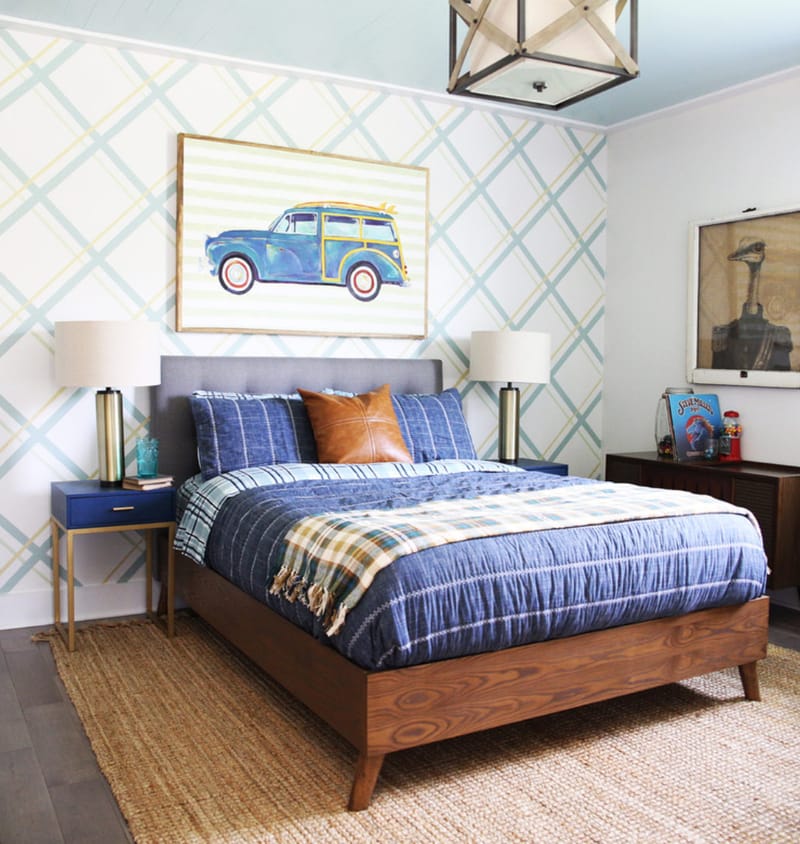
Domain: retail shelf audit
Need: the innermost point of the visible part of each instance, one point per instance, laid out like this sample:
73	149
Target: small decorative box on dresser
87	507
542	466
770	491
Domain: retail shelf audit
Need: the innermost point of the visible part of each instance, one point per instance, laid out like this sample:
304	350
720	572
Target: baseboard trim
33	609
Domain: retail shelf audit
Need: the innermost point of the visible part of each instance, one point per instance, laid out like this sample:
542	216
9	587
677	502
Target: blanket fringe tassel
318	600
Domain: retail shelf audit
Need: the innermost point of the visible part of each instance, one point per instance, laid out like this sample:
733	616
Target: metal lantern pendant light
543	53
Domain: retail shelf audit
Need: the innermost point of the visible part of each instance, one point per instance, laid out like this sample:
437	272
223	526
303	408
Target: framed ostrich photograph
744	300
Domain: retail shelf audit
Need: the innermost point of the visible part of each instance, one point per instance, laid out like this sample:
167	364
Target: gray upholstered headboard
171	413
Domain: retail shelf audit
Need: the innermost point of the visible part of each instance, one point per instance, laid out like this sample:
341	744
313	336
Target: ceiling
687	48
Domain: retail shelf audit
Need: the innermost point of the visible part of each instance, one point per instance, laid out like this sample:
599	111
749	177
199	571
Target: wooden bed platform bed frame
379	712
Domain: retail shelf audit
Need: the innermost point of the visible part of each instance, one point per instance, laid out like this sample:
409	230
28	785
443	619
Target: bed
398	706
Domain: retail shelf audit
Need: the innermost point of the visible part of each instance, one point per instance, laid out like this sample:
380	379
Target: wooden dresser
770	491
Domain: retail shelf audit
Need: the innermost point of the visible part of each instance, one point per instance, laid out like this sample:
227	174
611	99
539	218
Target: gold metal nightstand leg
148	571
171	582
168	624
67	638
56	572
70	591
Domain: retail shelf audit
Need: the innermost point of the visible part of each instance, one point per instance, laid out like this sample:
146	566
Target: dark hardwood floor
51	790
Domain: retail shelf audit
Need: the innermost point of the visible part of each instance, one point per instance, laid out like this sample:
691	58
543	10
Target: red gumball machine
730	443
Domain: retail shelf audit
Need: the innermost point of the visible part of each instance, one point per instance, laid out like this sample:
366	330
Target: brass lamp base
110	436
508	428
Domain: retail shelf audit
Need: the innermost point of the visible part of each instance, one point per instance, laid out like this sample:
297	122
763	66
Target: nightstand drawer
101	507
122	509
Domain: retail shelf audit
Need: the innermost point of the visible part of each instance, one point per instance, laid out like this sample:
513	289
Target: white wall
712	160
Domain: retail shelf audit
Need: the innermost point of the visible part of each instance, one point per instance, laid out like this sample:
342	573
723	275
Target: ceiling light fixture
542	53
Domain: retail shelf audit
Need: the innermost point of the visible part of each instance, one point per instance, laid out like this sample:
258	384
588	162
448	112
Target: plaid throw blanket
331	559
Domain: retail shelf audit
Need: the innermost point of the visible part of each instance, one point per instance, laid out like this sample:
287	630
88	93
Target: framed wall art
744	300
285	241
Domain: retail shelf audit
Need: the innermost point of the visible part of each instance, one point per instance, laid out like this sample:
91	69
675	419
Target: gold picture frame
744	300
276	240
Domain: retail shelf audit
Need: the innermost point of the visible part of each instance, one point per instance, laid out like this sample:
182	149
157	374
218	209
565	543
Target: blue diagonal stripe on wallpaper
492	185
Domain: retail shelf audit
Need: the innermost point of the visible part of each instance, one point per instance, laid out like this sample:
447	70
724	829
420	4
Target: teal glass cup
147	457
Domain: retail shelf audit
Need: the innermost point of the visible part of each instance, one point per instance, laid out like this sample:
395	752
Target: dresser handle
118	509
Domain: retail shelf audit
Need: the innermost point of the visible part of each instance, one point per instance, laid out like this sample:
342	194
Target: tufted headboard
171	413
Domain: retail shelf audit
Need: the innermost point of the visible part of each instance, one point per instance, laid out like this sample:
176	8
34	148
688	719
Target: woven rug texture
199	746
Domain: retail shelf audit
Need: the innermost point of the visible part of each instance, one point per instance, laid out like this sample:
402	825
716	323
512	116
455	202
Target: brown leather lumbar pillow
356	429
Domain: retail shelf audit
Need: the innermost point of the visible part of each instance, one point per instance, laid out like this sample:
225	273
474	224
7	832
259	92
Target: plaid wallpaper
517	215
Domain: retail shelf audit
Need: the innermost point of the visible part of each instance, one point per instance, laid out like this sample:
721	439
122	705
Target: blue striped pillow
433	426
239	433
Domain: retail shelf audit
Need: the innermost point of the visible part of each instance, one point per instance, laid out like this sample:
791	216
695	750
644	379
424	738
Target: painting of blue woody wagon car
330	243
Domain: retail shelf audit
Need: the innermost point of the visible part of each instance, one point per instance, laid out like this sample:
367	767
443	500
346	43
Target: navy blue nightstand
86	507
542	466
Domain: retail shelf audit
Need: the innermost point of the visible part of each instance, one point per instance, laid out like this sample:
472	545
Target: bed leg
367	770
749	674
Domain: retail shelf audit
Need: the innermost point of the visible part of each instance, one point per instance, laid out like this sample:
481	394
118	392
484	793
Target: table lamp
505	355
98	353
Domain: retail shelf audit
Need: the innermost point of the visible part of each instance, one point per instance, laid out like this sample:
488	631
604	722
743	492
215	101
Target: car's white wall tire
363	281
236	274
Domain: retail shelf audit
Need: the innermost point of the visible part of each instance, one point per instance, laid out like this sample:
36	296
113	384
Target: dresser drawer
672	476
101	507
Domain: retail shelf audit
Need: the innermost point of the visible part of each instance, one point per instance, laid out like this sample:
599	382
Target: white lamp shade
103	353
521	356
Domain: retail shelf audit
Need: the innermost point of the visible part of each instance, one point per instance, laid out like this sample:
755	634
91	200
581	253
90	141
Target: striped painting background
239	186
516	223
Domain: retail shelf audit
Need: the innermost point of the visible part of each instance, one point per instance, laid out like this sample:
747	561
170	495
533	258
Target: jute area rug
199	746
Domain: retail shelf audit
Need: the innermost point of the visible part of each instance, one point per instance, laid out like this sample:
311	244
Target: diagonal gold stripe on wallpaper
88	230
